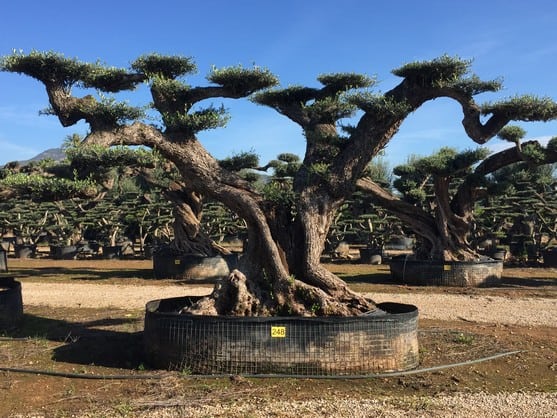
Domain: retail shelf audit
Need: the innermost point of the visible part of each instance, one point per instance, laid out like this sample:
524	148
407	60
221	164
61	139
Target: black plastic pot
550	257
192	267
25	250
439	273
370	256
399	243
11	303
63	252
148	251
322	346
111	252
499	254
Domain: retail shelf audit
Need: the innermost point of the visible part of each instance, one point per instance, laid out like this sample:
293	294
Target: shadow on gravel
85	274
87	343
375	278
527	282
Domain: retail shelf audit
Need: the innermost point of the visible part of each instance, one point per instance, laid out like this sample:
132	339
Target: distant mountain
56	154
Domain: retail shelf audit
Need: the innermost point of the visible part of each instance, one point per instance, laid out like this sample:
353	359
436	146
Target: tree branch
422	223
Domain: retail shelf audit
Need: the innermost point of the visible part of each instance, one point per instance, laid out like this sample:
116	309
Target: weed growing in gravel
462	338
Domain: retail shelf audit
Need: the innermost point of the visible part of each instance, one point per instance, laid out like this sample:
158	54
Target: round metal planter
192	267
11	303
316	346
439	273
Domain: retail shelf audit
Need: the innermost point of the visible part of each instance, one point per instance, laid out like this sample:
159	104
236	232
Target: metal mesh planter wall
192	267
11	303
438	273
335	346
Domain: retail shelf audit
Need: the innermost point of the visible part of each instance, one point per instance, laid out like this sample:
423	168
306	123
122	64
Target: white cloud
501	145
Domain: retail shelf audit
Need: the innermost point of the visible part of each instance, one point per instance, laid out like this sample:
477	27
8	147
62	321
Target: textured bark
189	238
281	262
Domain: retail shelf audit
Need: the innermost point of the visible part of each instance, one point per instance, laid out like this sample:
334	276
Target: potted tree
280	274
520	214
438	202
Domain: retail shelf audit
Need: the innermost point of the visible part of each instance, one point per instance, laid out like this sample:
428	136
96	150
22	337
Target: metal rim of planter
11	303
442	273
288	346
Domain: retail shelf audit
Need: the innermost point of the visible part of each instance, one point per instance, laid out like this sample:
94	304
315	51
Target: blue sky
297	40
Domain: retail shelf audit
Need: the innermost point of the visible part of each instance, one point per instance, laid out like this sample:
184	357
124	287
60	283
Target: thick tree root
231	296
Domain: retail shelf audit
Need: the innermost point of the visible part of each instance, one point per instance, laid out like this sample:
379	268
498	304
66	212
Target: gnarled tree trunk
189	238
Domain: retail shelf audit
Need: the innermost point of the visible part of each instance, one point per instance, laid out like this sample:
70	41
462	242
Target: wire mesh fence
325	346
439	273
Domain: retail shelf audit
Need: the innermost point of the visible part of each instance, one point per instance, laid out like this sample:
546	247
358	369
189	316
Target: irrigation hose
367	376
81	375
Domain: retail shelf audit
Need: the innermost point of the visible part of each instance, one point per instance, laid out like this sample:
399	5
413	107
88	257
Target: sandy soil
474	308
527	317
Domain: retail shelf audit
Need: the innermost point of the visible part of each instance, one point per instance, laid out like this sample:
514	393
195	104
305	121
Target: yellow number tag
447	267
278	332
177	261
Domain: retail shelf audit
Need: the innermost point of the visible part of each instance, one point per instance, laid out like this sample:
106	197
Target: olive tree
280	271
437	195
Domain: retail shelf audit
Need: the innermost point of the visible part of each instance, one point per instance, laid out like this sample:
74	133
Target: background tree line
119	194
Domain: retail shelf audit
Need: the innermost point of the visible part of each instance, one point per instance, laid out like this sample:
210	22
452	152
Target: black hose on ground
367	376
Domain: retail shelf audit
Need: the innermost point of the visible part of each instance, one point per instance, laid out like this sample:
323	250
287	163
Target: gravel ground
486	309
480	405
492	309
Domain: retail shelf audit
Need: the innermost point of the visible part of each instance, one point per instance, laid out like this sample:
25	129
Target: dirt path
494	309
505	387
87	295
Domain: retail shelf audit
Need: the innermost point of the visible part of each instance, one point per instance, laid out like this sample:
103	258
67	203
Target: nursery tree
359	220
520	207
40	182
76	190
280	272
438	193
28	190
